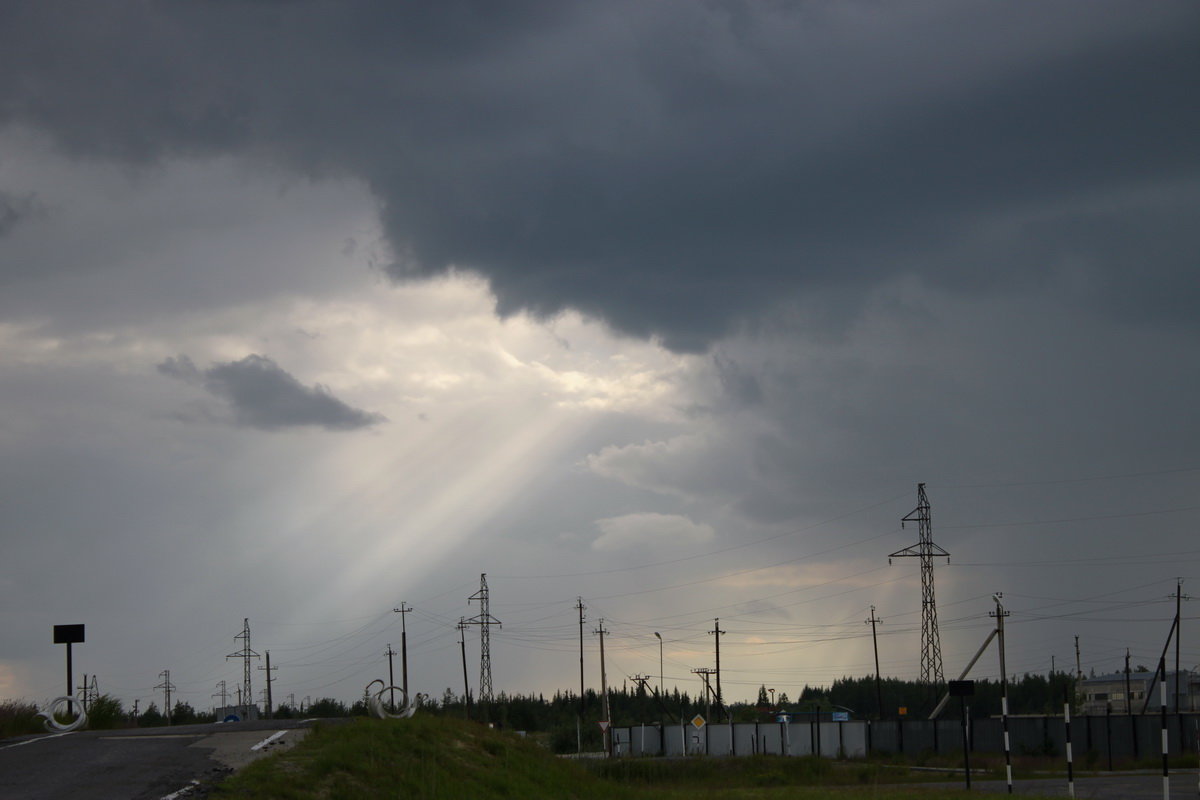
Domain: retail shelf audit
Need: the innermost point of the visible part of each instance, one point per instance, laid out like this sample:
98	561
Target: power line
1057	481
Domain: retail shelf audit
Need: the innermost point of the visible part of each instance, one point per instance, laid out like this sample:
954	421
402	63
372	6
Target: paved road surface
139	764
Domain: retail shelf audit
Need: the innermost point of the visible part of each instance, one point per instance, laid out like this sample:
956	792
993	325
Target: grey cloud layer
263	395
674	168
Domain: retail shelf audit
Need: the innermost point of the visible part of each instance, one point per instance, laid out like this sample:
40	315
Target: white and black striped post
1070	764
1000	614
1162	668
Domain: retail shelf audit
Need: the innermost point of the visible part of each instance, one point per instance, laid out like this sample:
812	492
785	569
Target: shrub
105	712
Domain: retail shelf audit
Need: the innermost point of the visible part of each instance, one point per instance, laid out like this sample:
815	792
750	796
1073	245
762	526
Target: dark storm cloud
673	168
262	395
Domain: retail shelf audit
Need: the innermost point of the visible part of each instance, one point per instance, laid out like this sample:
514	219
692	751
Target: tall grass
423	757
18	717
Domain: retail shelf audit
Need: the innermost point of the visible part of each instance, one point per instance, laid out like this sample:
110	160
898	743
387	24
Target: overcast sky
310	309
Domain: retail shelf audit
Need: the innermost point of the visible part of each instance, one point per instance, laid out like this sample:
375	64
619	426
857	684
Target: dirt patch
237	749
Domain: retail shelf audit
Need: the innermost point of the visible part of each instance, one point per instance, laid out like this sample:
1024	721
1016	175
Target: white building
1119	690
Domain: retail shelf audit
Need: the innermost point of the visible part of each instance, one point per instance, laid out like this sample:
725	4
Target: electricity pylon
245	654
484	620
925	549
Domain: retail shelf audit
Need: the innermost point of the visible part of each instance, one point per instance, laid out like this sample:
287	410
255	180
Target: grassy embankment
433	758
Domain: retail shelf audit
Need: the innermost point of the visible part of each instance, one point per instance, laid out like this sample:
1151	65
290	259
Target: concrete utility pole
247	698
875	645
580	607
484	620
658	636
269	669
167	688
704	672
1179	597
604	690
403	612
716	633
391	679
1128	696
1000	614
462	633
925	550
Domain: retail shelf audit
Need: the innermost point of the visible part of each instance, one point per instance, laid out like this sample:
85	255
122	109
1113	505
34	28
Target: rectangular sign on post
961	688
68	634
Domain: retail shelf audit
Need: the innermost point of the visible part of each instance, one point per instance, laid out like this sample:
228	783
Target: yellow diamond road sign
698	722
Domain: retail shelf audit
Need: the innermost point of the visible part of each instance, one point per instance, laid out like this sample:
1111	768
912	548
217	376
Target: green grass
422	757
429	758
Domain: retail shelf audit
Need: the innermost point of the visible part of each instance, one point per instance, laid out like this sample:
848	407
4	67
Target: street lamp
660	663
772	691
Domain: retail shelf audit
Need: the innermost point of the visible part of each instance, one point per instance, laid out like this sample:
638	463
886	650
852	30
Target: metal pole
1108	732
70	680
966	744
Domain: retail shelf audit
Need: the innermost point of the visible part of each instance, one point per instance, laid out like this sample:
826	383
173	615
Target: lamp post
660	662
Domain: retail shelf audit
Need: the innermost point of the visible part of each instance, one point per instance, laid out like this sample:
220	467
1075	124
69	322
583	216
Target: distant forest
556	717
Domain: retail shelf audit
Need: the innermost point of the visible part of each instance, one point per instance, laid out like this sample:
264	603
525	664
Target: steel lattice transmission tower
925	549
484	620
245	654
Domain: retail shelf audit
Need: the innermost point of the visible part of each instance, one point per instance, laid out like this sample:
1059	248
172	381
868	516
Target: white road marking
268	740
182	792
39	739
152	737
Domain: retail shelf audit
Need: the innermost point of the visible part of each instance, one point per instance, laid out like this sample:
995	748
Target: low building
1120	693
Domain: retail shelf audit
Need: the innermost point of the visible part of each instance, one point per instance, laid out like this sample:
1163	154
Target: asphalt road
140	764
